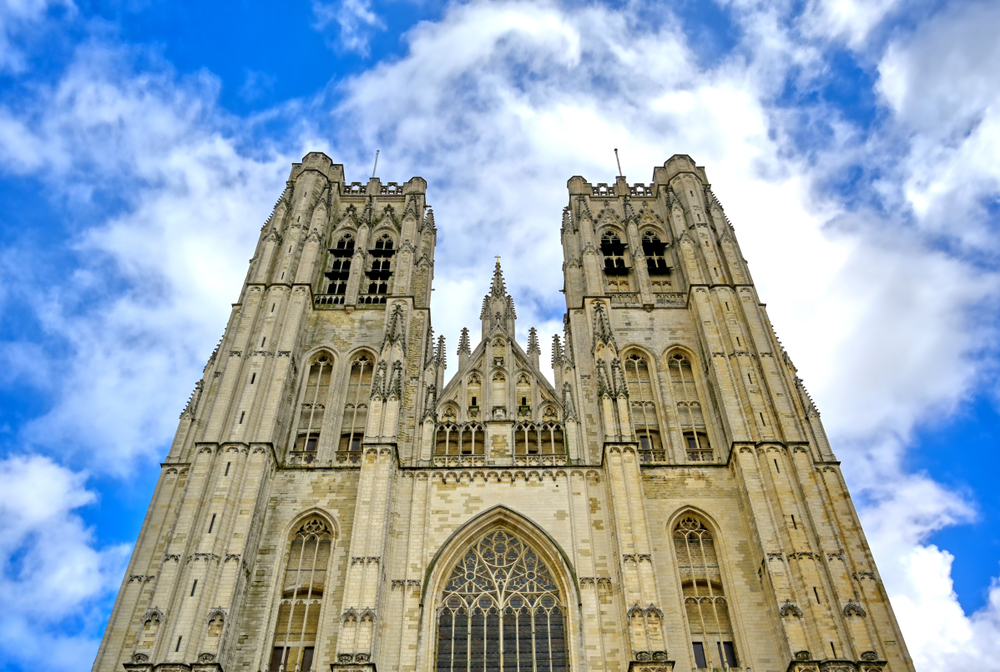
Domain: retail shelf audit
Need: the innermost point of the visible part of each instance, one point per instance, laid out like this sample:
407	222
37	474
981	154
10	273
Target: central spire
498	312
498	288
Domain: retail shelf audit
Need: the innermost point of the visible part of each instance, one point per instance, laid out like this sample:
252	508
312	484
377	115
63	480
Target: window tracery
653	249
704	598
302	589
312	409
644	420
340	267
689	409
613	250
352	429
380	271
535	439
460	439
501	610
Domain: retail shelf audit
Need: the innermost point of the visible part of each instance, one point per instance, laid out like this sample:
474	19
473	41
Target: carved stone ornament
803	655
206	658
789	608
854	608
140	658
869	656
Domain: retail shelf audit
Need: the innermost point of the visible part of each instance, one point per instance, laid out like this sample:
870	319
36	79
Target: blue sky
853	144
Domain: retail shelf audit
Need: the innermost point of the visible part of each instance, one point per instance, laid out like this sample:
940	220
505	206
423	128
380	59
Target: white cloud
355	19
176	255
496	105
940	82
51	570
21	17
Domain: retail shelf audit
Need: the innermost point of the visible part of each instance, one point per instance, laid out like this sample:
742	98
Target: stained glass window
501	610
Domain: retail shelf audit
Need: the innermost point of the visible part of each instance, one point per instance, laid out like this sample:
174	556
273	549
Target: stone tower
669	501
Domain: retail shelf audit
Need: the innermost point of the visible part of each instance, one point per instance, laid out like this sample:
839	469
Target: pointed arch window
340	266
689	410
654	251
380	271
312	410
613	250
475	392
644	420
501	611
352	429
543	439
302	590
460	439
704	597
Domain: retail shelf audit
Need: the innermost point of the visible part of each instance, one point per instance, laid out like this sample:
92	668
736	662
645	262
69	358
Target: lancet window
538	439
340	267
689	409
644	420
460	439
380	272
352	429
653	249
501	610
475	392
704	598
302	590
312	410
613	250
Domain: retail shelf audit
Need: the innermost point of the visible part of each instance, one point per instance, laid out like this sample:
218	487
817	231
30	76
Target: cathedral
669	501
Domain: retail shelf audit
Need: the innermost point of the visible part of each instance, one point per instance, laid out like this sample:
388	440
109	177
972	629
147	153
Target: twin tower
669	501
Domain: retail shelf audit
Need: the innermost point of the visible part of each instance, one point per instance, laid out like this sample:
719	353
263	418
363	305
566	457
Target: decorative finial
498	260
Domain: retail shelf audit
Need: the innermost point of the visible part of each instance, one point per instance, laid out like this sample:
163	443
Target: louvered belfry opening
501	610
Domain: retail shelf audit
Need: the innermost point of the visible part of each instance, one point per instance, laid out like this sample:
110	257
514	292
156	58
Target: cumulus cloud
52	571
20	19
354	18
497	104
940	84
174	256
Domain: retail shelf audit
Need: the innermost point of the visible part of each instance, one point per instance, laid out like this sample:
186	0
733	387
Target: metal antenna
376	162
618	162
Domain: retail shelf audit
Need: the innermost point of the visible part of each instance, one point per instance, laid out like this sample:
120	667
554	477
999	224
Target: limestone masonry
669	501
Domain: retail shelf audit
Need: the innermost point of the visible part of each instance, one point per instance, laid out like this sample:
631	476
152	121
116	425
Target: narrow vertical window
689	410
211	525
340	268
193	587
303	587
501	610
312	410
228	464
704	598
615	269
653	249
380	272
352	430
644	420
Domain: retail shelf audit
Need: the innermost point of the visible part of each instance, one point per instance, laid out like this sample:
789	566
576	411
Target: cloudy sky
853	143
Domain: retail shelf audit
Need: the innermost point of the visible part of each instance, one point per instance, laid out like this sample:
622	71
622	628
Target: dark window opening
654	251
340	265
699	655
613	250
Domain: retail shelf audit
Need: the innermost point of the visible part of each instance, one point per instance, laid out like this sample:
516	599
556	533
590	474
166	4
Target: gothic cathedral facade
668	501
